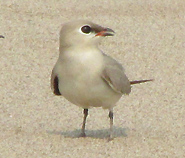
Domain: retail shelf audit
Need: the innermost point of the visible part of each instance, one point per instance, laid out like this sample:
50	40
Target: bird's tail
140	81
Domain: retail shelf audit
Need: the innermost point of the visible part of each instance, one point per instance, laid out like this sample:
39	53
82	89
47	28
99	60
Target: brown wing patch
55	86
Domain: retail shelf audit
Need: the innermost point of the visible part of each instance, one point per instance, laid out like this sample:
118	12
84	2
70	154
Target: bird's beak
105	32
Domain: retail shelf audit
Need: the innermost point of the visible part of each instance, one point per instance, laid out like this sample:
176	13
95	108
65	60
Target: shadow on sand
99	134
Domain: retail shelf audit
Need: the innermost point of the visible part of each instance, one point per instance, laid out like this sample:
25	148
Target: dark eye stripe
86	29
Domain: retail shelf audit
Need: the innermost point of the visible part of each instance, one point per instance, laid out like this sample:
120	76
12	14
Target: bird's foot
110	138
82	135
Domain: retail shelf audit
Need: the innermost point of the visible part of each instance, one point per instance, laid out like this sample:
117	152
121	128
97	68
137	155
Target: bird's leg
84	121
111	124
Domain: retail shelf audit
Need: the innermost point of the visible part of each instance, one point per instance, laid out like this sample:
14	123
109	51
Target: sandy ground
149	42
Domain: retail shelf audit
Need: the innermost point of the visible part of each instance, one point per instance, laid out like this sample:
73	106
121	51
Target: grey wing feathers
55	83
115	77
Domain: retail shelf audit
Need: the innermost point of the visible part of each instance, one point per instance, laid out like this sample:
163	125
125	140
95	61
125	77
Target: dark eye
86	29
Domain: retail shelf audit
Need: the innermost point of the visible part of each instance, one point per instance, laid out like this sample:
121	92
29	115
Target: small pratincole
86	76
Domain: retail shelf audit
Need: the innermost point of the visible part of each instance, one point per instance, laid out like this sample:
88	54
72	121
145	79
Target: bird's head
82	32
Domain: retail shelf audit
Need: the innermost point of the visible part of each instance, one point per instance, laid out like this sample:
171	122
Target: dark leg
111	124
84	121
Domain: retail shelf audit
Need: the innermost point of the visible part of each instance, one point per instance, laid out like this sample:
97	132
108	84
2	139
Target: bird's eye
86	29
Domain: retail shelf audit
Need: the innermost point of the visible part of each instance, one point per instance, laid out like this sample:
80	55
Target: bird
86	76
1	36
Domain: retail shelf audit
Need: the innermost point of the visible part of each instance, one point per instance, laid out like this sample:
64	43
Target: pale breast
80	81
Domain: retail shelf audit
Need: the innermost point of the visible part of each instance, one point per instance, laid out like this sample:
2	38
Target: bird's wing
113	74
54	83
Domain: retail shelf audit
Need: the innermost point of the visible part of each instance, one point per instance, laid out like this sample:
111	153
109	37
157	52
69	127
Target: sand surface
149	42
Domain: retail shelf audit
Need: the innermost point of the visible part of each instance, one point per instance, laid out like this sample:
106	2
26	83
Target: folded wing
113	74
